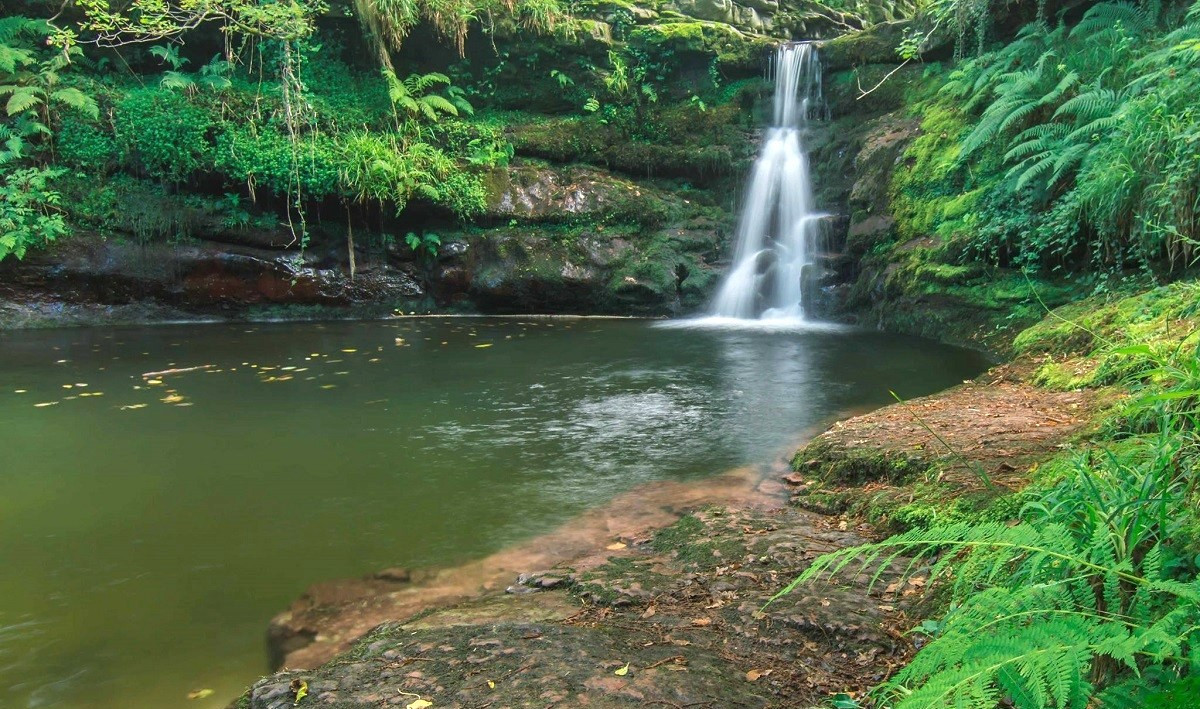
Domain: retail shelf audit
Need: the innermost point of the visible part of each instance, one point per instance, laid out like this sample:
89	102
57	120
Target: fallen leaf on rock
701	622
419	704
887	608
491	684
917	581
200	693
649	613
623	671
753	675
615	546
300	689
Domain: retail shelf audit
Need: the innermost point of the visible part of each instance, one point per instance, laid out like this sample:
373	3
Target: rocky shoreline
635	604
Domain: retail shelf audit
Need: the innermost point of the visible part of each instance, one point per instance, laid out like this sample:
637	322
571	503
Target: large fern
1060	610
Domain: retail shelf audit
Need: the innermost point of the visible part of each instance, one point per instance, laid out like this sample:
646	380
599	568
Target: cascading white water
779	227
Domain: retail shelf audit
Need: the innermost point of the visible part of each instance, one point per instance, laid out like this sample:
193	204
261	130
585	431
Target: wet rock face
203	277
533	192
573	239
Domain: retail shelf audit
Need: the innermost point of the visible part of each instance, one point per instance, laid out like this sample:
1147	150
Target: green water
148	534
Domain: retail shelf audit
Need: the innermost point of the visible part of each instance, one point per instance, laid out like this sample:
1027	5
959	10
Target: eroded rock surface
675	618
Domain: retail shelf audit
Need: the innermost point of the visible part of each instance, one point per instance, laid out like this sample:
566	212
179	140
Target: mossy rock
875	45
1104	340
734	51
886	88
833	463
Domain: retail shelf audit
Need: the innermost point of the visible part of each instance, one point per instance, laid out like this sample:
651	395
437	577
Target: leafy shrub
265	157
29	211
85	146
163	133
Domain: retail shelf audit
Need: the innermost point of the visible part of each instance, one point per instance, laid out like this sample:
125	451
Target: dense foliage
1072	148
1092	596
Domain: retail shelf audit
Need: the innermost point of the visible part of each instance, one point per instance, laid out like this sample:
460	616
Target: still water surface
151	525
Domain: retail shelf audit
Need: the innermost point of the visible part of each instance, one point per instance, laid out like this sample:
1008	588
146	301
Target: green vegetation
1052	156
1091	594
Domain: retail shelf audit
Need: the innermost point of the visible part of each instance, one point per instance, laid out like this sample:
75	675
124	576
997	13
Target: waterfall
779	229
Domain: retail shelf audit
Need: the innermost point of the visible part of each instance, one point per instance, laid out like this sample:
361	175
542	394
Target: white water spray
779	229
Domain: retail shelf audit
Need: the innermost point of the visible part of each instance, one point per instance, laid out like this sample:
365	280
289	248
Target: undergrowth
1090	595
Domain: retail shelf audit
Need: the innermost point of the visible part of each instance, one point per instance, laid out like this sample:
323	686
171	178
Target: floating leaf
200	693
486	344
623	671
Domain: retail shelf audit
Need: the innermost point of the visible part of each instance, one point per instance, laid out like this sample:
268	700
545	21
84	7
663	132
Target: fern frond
75	99
1090	105
439	103
1104	16
23	99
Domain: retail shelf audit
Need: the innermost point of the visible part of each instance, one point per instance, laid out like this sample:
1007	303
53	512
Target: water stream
772	273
